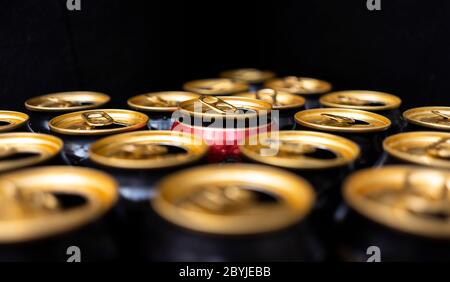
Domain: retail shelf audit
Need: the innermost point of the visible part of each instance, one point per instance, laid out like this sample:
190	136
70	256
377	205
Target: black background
125	47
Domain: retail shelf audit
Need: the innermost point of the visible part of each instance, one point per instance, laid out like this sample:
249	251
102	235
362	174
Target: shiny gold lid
301	150
431	117
230	107
233	199
299	85
342	120
11	120
215	86
67	101
47	201
148	150
166	101
249	75
424	148
18	150
280	100
361	100
98	122
410	199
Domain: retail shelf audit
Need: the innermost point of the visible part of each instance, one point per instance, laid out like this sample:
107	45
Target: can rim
394	218
100	193
233	74
191	86
300	101
196	149
99	99
326	86
299	118
46	146
133	101
96	132
392	102
296	193
15	120
328	140
409	116
389	145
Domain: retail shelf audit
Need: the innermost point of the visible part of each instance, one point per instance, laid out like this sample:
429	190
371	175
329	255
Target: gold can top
98	122
234	199
431	117
301	150
166	101
361	100
280	100
423	148
215	86
230	107
248	75
12	120
19	150
67	101
47	201
342	120
410	199
299	85
148	150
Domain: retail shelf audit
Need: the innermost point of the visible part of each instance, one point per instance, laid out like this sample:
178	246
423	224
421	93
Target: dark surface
127	47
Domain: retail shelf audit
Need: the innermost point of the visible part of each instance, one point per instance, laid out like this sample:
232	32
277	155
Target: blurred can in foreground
285	103
428	118
12	121
45	211
139	159
216	86
230	212
223	122
20	150
79	129
373	101
427	148
322	159
402	212
159	106
254	77
310	88
367	129
44	108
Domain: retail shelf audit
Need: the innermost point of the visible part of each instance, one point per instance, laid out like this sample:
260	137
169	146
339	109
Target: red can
224	123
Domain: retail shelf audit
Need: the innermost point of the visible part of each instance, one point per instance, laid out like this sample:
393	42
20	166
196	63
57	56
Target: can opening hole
69	201
323	154
4	123
18	156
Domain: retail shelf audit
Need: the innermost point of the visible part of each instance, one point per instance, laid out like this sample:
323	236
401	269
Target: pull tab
7	151
439	150
217	104
16	202
248	74
221	199
158	101
97	118
340	119
272	93
218	85
58	102
140	151
293	147
445	117
352	101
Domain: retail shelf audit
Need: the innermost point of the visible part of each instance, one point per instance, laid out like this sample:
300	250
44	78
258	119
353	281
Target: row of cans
254	211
